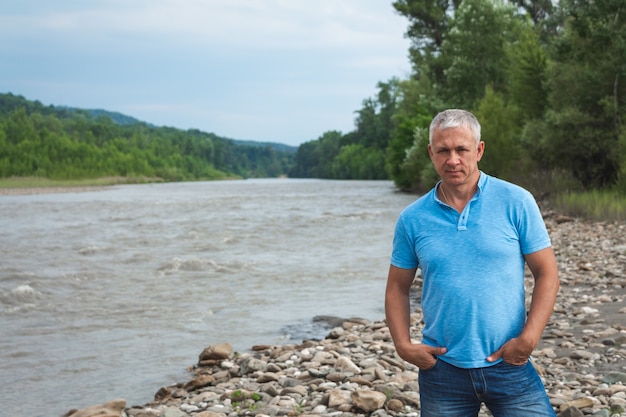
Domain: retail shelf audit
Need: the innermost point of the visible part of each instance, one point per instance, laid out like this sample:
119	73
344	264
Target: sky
282	71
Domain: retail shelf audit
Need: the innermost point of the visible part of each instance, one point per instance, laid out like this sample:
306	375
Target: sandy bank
51	190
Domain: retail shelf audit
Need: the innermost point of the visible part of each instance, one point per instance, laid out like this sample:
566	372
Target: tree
314	159
538	10
544	16
528	64
64	144
358	162
476	49
19	127
374	120
429	22
417	165
416	106
587	92
499	129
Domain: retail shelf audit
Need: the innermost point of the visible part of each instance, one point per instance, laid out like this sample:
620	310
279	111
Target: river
114	293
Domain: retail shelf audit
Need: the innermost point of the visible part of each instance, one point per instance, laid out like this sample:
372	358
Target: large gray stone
368	400
109	409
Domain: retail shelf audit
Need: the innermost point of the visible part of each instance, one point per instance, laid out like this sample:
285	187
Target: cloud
271	24
270	68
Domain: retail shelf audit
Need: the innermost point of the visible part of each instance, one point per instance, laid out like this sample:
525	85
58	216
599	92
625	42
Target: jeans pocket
514	365
431	367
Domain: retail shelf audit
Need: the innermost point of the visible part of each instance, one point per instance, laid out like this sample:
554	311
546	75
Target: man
470	236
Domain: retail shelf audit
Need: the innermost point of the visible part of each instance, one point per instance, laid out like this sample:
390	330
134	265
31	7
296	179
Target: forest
546	79
62	143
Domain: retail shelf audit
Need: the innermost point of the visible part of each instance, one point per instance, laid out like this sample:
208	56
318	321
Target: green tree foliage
543	14
476	51
538	10
499	130
429	24
314	159
621	182
358	161
475	56
546	80
359	154
587	92
416	106
526	76
421	174
374	121
63	144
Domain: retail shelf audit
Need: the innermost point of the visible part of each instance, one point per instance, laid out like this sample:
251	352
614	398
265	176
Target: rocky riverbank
354	371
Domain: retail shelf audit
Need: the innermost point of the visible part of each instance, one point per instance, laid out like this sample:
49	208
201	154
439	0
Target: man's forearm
541	308
544	269
397	304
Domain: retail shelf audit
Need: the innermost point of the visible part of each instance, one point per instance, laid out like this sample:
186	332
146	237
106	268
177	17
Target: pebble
355	371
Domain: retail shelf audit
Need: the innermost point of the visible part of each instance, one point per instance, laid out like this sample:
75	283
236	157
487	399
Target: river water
114	293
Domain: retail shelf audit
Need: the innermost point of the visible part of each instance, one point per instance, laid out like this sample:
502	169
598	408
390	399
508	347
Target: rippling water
112	294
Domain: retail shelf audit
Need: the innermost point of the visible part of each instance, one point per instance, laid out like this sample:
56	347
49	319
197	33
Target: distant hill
9	102
278	146
118	118
60	142
125	120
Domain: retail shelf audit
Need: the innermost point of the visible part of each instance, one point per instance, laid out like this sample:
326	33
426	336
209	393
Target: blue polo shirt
472	264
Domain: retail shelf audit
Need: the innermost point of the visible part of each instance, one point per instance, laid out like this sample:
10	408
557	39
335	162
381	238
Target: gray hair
455	118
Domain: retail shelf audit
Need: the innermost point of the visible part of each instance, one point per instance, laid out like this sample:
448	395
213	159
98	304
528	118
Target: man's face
455	156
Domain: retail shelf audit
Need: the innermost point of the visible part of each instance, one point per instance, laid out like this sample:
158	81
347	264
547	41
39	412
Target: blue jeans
507	390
